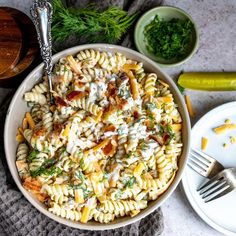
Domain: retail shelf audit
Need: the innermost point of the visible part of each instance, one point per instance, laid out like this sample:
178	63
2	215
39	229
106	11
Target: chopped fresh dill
130	182
88	22
33	154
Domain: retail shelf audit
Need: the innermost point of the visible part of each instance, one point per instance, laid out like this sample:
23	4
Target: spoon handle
41	12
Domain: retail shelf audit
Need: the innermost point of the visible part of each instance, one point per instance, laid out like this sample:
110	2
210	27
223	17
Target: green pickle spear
209	81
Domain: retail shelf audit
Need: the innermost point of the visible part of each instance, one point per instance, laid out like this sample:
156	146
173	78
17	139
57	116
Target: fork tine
197	169
220	194
203	154
209	187
209	182
200	157
214	189
198	163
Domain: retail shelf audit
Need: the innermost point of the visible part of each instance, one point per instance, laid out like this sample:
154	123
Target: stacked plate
18	46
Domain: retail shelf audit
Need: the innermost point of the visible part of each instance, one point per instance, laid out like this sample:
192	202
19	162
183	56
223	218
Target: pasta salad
108	145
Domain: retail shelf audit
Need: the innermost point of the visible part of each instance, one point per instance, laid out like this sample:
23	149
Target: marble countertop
216	52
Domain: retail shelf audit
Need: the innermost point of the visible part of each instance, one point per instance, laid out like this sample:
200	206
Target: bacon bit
60	101
57	127
121	102
112	90
136	115
80	84
157	139
111	128
81	77
40	132
166	137
75	95
110	148
32	185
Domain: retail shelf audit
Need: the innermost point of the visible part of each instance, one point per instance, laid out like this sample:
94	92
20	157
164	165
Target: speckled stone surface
216	20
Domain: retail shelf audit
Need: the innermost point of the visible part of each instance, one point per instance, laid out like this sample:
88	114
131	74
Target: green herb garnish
170	132
169	39
82	164
79	175
53	170
130	182
86	192
88	22
118	194
151	106
105	176
46	168
33	154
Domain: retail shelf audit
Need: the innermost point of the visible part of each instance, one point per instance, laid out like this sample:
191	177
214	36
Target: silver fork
221	184
204	164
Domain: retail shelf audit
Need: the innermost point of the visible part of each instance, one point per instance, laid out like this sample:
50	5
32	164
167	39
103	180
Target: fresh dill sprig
88	22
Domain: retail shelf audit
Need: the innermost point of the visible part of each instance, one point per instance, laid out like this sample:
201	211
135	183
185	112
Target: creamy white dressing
73	138
93	95
104	102
114	175
123	129
101	89
109	133
148	151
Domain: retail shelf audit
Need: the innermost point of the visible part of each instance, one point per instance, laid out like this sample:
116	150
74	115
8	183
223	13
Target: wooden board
10	42
30	47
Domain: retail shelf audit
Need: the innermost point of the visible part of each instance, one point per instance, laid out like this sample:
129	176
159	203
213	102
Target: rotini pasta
108	145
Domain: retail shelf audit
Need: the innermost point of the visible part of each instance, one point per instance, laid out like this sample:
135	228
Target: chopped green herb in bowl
168	39
167	35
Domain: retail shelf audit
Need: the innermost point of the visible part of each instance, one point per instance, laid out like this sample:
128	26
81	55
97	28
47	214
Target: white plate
220	213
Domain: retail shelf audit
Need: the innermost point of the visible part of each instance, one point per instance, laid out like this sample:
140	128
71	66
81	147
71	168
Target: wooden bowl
29	53
10	42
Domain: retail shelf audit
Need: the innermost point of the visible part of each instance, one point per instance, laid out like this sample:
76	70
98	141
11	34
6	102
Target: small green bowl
165	13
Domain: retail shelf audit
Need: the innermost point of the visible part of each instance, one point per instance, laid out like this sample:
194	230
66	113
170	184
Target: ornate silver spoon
41	12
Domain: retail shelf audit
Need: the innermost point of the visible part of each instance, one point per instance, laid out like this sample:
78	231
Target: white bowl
17	110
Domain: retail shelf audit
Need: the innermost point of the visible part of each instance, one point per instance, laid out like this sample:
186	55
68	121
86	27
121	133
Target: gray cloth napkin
17	216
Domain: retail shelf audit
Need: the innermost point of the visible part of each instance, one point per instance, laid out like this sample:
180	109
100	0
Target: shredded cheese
204	143
132	66
223	128
133	85
164	99
20	138
232	139
189	106
176	127
139	169
225	145
85	214
30	120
